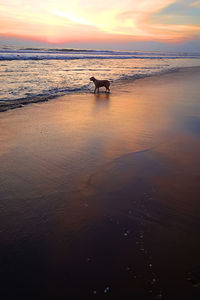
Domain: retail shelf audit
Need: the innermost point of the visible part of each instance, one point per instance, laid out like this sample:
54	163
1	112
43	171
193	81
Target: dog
100	83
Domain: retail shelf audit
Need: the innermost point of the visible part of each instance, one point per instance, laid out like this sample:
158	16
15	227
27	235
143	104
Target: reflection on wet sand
102	96
99	194
101	102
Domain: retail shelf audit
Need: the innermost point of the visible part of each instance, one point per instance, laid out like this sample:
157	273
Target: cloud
89	20
195	3
179	20
181	12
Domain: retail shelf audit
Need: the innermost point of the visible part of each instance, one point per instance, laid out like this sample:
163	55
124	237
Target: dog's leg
98	90
95	90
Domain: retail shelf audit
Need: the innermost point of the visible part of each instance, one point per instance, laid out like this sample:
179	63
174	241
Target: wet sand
100	193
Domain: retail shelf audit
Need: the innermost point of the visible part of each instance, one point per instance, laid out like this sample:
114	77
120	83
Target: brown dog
100	83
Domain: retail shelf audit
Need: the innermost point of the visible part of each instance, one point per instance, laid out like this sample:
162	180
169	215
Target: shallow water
38	74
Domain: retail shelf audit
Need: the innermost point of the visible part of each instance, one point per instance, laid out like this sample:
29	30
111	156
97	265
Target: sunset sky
101	24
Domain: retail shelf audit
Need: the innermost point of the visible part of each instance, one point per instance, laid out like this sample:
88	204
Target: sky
107	24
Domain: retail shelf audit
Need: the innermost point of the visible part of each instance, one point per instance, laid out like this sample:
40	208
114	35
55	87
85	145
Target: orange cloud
87	20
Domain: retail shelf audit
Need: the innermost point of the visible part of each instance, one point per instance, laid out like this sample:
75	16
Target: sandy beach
100	193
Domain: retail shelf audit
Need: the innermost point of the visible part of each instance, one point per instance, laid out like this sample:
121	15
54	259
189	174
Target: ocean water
35	74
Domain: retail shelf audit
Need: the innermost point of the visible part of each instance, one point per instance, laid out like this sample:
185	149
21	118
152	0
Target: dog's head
92	79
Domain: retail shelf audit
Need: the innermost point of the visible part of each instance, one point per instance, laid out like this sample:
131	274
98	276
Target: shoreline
6	105
100	193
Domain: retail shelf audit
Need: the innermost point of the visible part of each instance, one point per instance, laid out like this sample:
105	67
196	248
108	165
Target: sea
35	74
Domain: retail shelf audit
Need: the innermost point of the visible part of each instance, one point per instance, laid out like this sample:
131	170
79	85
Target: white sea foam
64	54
